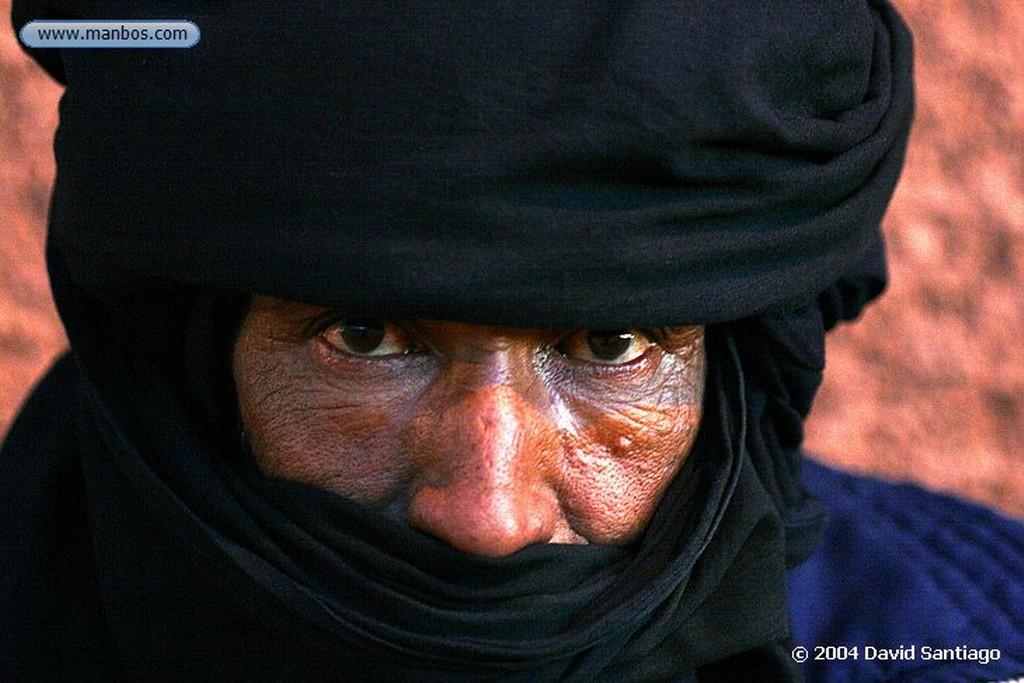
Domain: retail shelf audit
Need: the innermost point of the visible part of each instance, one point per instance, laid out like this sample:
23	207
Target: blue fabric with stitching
899	567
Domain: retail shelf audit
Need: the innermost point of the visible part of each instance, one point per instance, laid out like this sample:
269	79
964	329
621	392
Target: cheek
619	466
302	429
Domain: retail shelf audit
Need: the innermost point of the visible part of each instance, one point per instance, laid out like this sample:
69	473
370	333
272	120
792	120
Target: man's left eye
367	338
606	347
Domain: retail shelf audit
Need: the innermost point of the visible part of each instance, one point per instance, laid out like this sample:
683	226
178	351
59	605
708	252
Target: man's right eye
367	338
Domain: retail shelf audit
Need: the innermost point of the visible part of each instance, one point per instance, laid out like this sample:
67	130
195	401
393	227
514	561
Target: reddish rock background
928	386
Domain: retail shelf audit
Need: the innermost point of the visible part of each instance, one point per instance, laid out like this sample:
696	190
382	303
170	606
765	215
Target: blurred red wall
928	386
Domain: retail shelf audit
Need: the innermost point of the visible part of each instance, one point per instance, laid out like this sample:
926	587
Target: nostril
491	524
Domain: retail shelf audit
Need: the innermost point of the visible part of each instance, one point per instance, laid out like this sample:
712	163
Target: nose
485	484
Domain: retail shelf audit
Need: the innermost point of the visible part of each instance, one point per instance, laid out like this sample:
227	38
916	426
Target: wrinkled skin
489	438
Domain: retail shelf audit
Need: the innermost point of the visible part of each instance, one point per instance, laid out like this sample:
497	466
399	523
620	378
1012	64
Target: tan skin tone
489	438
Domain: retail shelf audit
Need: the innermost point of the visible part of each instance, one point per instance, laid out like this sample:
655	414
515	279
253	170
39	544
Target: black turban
569	165
516	163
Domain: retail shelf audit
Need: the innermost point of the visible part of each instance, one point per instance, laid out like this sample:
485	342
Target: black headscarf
507	163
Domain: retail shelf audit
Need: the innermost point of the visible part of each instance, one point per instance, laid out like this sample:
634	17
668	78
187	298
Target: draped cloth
566	166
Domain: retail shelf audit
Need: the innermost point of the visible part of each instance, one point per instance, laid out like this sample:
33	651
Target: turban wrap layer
534	165
563	165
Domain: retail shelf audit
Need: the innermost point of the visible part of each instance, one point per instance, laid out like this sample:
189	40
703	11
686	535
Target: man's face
489	438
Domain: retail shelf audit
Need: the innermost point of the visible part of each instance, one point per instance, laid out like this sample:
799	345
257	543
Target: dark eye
367	337
606	347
